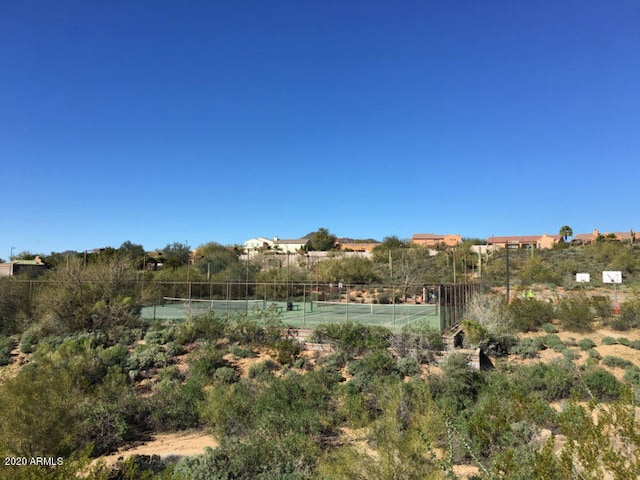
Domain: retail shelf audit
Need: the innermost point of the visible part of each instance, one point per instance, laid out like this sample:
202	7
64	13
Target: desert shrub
243	351
259	329
260	457
145	357
262	369
205	362
417	343
40	412
374	363
549	328
491	312
629	316
160	335
287	350
570	354
529	347
635	344
474	333
6	345
227	409
530	314
632	375
609	341
601	384
601	306
586	343
175	405
624	341
574	314
354	338
29	339
226	375
592	353
206	327
407	367
554	341
616	362
549	381
459	386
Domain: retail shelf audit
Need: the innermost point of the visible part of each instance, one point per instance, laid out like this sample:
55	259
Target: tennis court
301	314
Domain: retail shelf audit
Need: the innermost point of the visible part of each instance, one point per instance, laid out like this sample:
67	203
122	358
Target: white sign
583	278
611	277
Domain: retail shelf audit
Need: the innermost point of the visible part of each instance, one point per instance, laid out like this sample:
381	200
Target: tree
176	255
322	240
565	232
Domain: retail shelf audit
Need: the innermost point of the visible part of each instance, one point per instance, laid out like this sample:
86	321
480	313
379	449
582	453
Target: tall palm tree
565	232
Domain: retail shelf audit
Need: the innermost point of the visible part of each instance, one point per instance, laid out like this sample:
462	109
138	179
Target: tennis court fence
307	304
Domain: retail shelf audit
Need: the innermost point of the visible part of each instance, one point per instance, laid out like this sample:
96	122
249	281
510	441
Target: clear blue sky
163	121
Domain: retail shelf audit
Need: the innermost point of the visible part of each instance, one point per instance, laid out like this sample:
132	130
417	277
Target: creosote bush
530	314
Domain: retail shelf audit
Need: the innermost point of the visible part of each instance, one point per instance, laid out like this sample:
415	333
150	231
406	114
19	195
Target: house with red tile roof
525	241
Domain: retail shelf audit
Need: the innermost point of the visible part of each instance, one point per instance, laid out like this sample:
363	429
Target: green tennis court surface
301	314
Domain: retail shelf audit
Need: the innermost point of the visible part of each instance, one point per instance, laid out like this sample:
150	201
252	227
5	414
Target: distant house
587	238
433	240
525	241
31	267
260	244
350	245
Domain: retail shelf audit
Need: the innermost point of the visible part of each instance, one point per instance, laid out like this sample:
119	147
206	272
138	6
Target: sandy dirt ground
183	444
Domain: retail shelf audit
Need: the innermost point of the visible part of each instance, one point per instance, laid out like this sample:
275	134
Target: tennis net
403	309
202	305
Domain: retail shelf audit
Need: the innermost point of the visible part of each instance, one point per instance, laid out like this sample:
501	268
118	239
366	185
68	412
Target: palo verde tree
96	296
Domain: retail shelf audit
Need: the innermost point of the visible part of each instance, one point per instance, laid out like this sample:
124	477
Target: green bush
529	347
592	353
175	405
555	342
530	314
262	369
407	367
601	306
575	314
601	384
243	351
616	362
549	328
287	350
374	363
624	341
205	362
586	343
353	338
632	375
549	381
6	345
609	341
629	316
570	355
226	375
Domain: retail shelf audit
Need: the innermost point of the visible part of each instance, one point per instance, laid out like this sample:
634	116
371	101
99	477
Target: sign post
614	277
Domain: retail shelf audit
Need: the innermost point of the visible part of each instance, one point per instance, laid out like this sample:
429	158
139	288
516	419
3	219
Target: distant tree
213	258
322	240
350	270
389	244
565	232
176	255
134	251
